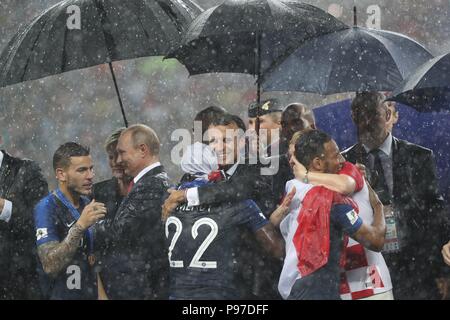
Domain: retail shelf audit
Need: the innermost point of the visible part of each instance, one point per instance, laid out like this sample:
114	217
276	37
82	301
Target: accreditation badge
392	241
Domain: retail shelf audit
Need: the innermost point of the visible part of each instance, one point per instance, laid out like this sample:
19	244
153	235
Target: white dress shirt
192	193
7	208
145	170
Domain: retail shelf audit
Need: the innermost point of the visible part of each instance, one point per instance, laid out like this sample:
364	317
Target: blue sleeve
44	221
345	216
193	184
253	217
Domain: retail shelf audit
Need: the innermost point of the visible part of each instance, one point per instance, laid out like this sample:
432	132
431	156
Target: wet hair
239	122
293	119
367	101
297	110
206	116
113	138
310	145
61	158
228	119
142	134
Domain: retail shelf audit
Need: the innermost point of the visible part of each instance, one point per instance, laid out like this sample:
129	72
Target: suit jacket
283	175
108	193
136	265
246	183
422	220
22	183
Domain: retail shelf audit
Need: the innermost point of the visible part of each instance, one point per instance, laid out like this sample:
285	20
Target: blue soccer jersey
203	243
76	281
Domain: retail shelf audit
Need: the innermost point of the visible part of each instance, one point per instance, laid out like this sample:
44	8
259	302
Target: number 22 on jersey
195	262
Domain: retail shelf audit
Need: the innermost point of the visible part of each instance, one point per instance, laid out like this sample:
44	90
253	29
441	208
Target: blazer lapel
358	155
399	169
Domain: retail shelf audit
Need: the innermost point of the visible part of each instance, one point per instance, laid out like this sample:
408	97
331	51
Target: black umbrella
249	36
110	30
356	59
427	89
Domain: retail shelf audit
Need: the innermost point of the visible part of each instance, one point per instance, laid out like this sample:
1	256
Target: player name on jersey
200	208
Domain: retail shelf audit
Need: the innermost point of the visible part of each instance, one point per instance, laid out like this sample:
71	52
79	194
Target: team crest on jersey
41	233
352	216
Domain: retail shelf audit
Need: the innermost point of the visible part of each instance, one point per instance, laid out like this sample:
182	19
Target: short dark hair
297	110
61	158
207	115
310	145
367	100
296	116
227	119
239	122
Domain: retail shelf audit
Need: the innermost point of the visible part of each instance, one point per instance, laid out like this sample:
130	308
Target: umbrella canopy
355	59
109	30
248	36
427	89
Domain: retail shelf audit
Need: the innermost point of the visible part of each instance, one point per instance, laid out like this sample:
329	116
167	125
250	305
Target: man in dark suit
136	260
404	176
22	185
244	182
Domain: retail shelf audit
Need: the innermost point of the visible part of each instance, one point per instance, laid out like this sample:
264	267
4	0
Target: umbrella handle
118	94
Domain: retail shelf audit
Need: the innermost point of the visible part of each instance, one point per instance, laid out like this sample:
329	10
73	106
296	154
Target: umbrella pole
258	67
258	76
118	94
258	90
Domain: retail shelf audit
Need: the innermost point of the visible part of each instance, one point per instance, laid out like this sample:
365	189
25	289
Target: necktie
378	179
130	186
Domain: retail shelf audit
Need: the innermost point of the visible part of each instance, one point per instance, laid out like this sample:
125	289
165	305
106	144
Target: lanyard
76	215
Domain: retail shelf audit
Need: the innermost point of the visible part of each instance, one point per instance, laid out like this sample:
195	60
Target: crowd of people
225	230
365	223
154	90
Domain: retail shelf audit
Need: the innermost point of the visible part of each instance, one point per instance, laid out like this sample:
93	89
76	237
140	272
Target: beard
78	190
